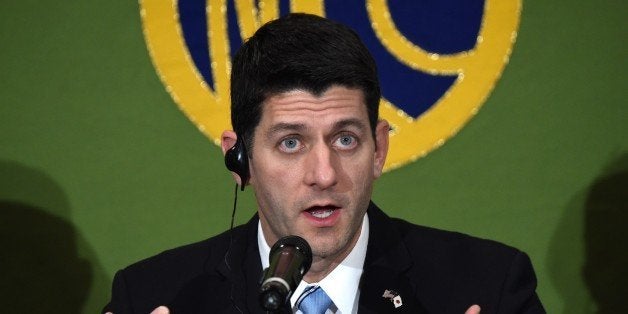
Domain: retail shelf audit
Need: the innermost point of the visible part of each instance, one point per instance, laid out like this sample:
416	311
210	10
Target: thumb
161	310
474	309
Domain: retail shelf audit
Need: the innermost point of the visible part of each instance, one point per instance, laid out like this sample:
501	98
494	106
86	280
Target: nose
321	167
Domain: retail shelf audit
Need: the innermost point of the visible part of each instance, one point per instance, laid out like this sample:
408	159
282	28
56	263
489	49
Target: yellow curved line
177	70
476	78
269	10
250	18
417	58
246	12
308	6
219	51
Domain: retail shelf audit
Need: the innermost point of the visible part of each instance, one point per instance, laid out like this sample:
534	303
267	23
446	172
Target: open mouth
321	212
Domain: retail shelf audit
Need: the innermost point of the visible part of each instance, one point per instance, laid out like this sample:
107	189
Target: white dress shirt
341	285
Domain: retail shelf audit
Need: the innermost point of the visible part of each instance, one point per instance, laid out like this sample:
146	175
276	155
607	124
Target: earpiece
237	161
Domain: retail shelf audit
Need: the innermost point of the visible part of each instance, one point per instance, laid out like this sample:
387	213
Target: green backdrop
99	168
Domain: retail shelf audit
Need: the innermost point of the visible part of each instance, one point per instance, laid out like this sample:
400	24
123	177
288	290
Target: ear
381	147
228	140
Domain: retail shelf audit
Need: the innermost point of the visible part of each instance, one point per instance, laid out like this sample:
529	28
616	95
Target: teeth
322	213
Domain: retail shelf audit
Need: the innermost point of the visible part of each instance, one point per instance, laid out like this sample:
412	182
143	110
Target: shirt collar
341	285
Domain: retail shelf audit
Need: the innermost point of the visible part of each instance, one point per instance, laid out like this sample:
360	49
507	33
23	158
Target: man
305	97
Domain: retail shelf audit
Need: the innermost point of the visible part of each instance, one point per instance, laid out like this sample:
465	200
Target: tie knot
314	300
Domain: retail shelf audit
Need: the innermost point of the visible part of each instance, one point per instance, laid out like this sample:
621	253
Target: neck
323	265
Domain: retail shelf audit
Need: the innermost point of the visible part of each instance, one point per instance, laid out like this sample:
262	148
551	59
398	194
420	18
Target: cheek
267	165
361	168
278	175
271	181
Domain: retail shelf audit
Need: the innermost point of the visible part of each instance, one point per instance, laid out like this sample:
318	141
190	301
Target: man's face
313	164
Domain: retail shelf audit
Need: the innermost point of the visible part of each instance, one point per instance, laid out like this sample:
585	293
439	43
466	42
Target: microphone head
290	258
299	244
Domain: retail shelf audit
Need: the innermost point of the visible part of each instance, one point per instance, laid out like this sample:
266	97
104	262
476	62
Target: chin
324	249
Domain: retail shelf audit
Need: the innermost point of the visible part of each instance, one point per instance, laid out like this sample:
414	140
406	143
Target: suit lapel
228	282
384	286
244	270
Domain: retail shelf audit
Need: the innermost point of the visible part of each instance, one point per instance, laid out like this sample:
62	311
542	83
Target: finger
161	310
474	309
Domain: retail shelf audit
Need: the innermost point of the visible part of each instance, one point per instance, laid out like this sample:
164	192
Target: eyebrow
300	127
351	122
283	126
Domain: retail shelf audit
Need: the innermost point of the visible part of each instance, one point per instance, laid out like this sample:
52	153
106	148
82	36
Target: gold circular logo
204	98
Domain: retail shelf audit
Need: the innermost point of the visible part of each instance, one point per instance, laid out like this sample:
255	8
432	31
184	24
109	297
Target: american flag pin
394	297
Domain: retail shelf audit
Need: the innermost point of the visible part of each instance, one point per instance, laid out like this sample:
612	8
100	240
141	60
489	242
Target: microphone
290	258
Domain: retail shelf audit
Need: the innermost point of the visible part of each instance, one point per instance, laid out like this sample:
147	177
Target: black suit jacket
433	271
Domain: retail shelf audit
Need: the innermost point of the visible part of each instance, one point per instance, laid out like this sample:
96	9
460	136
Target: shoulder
452	245
476	271
155	281
187	259
459	256
433	245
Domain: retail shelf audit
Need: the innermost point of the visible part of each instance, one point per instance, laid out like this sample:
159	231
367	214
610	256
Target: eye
346	141
289	145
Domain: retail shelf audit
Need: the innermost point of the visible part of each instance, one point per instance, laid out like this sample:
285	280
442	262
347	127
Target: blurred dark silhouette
41	271
46	266
588	254
606	239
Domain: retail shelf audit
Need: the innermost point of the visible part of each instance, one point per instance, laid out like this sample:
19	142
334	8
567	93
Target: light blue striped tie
314	301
